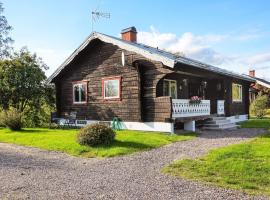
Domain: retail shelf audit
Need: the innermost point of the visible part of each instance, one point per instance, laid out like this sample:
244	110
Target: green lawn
65	141
244	166
256	123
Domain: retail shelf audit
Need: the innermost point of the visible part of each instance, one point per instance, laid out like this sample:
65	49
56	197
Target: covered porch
183	87
209	93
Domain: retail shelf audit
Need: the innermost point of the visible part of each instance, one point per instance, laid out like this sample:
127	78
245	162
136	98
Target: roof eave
221	71
123	45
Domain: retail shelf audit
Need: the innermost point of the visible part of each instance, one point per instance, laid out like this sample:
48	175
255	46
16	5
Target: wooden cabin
144	87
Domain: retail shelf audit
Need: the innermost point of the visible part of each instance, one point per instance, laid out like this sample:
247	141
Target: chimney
252	73
129	34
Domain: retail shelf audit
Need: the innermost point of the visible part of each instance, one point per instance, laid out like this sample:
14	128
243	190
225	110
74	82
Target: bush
12	119
258	107
95	134
53	126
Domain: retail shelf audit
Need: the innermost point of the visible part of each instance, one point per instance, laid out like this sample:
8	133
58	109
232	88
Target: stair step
218	118
218	121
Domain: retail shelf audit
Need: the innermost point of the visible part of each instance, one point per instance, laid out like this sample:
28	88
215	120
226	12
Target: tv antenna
96	15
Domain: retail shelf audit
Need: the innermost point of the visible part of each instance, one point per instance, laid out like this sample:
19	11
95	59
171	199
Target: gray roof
151	53
262	82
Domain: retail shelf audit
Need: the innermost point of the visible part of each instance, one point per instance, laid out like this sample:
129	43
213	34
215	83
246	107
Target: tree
22	86
263	89
259	106
5	39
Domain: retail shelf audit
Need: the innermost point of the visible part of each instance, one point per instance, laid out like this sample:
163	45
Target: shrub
95	134
258	107
53	126
12	119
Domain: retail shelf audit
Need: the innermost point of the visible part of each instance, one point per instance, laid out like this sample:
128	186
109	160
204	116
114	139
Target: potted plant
195	100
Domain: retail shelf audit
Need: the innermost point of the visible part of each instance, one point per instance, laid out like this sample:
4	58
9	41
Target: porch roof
151	53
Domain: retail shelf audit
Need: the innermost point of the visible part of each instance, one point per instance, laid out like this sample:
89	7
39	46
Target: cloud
259	58
197	47
201	47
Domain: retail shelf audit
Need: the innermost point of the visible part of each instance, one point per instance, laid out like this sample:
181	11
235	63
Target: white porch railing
182	108
220	107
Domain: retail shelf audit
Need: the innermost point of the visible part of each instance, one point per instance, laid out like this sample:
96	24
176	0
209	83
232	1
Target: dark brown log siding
92	66
139	79
240	108
158	109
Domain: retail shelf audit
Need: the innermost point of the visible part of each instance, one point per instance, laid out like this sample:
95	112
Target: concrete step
219	123
218	118
222	121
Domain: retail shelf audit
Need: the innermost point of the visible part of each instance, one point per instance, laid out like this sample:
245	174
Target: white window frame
80	84
240	88
170	81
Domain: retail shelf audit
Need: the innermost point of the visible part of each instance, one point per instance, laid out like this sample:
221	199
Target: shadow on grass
126	144
185	133
31	131
24	130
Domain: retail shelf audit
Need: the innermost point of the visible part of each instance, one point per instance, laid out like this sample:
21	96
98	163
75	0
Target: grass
244	166
256	123
126	142
267	116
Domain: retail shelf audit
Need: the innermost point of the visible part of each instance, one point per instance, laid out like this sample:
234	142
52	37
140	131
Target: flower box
195	100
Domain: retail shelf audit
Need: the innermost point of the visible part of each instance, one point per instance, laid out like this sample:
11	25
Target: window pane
83	93
236	92
173	90
111	88
166	86
76	93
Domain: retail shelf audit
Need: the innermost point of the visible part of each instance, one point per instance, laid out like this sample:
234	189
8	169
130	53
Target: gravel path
29	173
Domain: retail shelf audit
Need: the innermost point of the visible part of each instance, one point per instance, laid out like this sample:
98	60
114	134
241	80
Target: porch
209	90
210	93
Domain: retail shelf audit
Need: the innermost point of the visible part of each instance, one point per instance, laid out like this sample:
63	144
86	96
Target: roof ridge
167	58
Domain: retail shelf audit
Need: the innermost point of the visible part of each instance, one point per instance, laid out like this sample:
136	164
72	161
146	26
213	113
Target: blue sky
233	34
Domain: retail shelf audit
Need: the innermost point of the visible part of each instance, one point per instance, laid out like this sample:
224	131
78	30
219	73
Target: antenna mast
96	15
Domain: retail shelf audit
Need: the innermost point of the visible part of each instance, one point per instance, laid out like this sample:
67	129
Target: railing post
190	126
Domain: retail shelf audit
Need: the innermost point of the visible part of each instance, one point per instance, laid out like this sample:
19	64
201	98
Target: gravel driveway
29	173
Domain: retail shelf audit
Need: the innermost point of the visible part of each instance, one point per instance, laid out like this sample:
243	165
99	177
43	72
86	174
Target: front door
170	88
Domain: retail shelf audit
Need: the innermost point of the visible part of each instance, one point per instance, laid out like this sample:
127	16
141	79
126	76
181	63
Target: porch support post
189	126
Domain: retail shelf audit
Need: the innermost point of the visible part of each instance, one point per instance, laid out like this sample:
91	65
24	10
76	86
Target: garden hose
116	124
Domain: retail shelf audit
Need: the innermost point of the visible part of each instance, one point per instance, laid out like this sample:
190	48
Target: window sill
111	100
237	101
79	103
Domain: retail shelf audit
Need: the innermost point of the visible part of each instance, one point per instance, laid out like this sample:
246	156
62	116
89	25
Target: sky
231	34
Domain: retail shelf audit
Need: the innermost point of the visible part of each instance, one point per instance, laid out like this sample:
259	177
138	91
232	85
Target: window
170	88
79	92
236	92
111	88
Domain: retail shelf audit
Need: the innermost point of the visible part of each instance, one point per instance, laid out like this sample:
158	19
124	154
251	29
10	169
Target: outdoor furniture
70	119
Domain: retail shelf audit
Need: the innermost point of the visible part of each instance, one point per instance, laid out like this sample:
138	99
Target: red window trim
119	78
84	82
